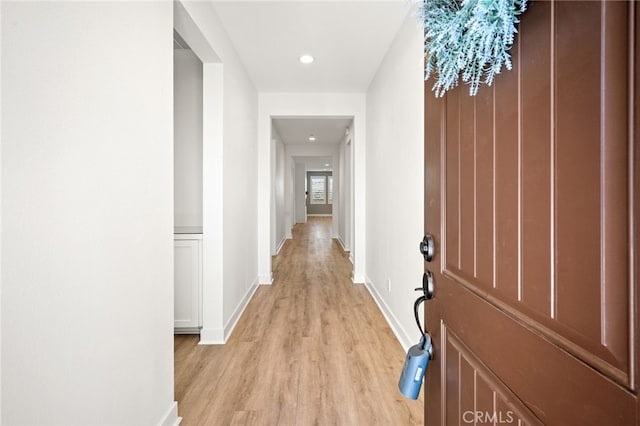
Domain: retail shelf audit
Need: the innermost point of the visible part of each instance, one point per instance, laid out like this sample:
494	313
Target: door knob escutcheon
428	247
427	285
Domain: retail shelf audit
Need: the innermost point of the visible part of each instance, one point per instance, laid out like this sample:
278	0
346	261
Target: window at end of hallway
318	190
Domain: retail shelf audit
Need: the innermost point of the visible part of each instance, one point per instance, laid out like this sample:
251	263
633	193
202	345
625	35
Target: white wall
1	62
212	173
232	270
345	169
280	214
311	105
299	198
187	133
395	175
87	169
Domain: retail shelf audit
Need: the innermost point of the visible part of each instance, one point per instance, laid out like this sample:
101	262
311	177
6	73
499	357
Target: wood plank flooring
311	349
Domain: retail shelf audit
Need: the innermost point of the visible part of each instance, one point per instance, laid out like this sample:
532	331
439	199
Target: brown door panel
531	193
475	392
554	231
555	387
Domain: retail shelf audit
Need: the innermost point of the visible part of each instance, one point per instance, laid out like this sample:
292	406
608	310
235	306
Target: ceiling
348	39
297	130
316	164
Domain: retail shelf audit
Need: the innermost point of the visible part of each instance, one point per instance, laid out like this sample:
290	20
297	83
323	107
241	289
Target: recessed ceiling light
326	165
312	138
306	59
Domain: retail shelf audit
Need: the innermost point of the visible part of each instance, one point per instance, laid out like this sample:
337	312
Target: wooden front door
532	198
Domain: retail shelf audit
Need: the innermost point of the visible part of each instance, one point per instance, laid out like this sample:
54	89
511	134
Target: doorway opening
312	175
319	191
204	171
187	187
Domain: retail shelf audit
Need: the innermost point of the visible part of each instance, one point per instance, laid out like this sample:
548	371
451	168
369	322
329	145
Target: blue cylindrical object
415	365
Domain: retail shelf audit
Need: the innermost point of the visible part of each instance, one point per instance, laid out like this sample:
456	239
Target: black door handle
427	285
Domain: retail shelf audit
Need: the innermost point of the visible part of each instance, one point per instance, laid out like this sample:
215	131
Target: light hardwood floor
311	349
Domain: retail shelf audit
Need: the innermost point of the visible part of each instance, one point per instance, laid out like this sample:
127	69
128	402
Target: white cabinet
187	283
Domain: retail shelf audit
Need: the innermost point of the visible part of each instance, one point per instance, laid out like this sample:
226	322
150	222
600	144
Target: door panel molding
521	358
583	180
531	195
478	390
634	191
602	363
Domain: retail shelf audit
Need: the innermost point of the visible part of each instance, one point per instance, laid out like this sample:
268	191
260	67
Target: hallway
313	348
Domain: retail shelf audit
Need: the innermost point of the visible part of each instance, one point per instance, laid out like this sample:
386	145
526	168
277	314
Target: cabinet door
187	272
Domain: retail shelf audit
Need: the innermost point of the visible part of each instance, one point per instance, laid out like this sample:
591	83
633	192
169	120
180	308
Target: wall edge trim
171	418
237	313
281	244
394	324
211	336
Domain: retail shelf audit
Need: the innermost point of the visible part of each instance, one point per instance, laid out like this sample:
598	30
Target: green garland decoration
468	39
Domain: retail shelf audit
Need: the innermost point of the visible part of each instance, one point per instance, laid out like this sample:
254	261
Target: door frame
212	143
272	105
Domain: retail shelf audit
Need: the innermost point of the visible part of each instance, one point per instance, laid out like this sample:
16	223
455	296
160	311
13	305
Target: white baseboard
219	336
265	279
344	248
171	419
190	330
359	279
211	336
231	324
280	244
351	257
394	324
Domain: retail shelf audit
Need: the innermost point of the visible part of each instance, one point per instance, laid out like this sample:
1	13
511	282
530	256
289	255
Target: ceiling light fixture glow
312	138
306	59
